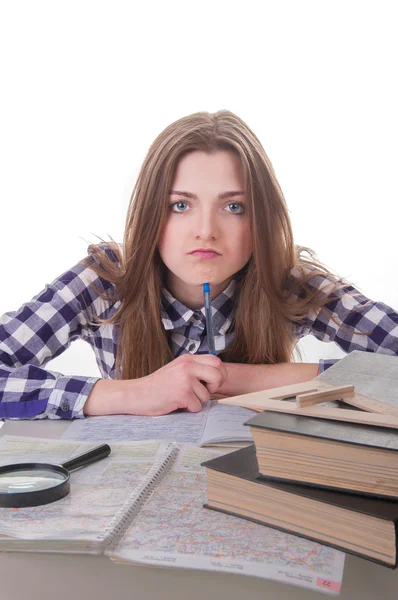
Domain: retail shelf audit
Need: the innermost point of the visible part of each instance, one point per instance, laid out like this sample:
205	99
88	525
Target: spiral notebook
144	505
104	496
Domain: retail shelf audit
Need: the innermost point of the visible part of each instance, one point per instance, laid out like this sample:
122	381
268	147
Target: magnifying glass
33	484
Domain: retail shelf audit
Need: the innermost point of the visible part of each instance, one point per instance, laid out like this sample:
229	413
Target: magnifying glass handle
87	458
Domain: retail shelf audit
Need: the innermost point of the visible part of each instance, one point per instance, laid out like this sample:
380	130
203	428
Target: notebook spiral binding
125	516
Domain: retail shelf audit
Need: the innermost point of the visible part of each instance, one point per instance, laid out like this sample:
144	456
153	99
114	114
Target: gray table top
48	576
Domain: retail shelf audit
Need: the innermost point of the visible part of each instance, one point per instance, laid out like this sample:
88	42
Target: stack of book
328	481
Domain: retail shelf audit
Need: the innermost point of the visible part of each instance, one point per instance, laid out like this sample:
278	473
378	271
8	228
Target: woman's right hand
184	383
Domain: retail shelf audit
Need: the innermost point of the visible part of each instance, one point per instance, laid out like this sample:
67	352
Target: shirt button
191	347
65	407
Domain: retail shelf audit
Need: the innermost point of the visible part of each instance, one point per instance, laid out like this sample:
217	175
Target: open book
216	424
144	505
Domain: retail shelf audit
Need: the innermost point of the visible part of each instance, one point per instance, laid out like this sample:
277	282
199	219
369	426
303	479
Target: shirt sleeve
39	331
352	321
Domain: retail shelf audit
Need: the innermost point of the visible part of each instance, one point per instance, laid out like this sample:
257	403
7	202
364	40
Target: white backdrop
87	85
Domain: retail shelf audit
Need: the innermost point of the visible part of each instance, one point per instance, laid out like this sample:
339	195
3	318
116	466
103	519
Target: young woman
206	208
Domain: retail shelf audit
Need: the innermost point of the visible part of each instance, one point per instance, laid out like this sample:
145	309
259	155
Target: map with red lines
173	529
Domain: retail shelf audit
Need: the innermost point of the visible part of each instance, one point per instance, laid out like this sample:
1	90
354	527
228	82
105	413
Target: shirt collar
175	314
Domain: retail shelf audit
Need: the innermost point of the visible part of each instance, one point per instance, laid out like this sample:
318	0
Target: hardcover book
348	456
360	525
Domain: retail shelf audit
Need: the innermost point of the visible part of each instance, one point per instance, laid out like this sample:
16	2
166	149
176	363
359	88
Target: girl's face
203	216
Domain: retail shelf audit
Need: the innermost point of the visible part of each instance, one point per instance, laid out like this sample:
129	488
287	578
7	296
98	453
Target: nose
206	226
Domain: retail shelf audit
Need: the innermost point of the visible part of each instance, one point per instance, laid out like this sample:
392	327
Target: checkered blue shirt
61	313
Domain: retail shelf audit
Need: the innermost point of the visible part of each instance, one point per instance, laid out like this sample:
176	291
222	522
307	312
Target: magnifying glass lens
29	480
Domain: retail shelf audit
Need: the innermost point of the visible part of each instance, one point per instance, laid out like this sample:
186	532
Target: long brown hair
264	312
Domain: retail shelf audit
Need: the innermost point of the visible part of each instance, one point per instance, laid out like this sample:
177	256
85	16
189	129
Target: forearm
110	397
243	378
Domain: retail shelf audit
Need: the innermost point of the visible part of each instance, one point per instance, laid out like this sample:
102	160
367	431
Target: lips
204	254
203	250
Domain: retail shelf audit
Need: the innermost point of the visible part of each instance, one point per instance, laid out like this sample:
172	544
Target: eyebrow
222	196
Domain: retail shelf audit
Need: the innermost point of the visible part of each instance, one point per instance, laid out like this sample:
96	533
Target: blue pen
209	323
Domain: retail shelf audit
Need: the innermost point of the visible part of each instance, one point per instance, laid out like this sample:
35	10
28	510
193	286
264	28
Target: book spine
130	509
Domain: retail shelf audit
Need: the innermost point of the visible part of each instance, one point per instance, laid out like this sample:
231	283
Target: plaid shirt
61	313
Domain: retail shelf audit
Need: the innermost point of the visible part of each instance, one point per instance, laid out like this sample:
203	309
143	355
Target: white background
86	86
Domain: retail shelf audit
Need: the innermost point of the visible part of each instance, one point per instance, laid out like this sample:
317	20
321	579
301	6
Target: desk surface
61	576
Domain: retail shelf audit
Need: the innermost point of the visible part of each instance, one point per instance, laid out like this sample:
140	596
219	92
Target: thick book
361	459
363	526
144	505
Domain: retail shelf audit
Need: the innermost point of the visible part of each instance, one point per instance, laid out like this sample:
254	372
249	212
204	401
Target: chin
215	280
203	275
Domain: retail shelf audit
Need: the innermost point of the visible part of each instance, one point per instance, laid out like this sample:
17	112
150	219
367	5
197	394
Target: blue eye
172	206
239	205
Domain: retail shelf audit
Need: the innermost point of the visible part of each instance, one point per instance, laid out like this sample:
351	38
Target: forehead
213	169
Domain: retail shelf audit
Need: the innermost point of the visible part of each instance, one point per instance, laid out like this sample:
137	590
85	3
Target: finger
224	371
212	361
218	364
212	376
208	359
193	404
200	391
188	363
218	396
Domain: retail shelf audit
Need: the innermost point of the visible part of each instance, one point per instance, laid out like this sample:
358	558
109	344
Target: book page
225	423
98	491
213	422
373	375
178	426
173	529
